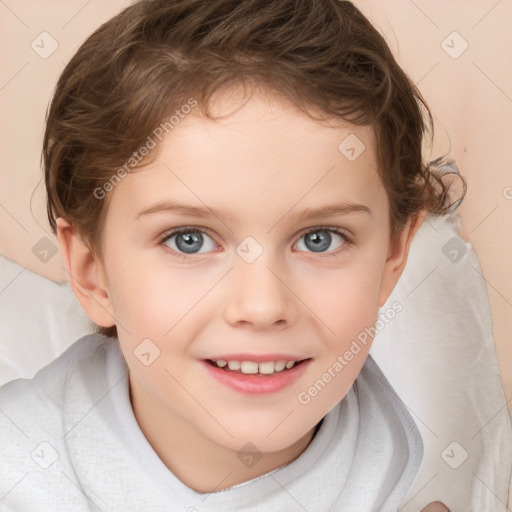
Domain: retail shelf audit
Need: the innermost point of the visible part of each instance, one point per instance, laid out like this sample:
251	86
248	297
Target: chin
268	437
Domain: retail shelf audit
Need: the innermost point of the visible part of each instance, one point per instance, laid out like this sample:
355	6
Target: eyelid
185	229
344	233
340	231
176	231
348	240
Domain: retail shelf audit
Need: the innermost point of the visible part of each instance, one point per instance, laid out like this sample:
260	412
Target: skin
260	165
435	506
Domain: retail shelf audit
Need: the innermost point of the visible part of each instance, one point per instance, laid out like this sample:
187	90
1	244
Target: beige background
470	94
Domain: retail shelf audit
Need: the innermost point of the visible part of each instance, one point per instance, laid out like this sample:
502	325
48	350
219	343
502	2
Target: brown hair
141	66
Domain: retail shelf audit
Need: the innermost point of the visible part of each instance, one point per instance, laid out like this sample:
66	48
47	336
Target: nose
259	296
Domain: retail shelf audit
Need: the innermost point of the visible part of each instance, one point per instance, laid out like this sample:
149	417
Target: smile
252	367
256	378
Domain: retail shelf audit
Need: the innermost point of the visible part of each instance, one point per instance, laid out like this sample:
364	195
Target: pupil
319	240
189	242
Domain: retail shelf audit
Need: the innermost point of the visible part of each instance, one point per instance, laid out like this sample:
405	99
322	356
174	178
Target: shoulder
381	407
380	397
36	416
381	394
43	395
86	351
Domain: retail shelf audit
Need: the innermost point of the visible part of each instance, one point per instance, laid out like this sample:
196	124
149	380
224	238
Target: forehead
256	155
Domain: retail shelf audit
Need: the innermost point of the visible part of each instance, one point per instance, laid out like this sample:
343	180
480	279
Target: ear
86	275
397	255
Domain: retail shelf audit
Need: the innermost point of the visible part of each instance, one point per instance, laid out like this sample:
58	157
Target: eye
321	240
189	241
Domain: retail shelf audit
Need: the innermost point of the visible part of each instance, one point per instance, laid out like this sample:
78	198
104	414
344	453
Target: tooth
280	365
249	367
234	365
267	367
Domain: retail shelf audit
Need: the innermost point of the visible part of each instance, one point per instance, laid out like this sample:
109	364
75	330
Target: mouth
263	368
256	377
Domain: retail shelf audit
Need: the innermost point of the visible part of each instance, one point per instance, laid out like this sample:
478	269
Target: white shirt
70	442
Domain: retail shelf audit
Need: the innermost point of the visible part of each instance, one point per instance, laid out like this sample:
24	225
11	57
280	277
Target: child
235	186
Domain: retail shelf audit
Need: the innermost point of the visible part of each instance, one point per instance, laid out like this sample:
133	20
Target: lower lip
252	384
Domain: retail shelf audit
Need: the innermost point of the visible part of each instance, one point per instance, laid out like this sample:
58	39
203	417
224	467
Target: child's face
254	287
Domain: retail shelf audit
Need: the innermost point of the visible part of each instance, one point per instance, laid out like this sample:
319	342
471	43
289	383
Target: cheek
154	305
150	297
348	310
345	299
168	307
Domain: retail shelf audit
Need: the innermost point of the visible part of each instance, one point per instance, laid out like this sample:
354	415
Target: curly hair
142	65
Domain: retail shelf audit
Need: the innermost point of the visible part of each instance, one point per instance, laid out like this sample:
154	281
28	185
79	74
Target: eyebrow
205	212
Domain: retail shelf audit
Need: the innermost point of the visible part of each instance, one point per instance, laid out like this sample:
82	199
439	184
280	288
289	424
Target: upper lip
262	358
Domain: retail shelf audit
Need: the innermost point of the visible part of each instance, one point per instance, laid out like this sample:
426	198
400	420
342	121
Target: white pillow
438	353
435	346
39	319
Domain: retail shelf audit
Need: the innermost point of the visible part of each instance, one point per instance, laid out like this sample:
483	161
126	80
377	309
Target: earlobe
397	256
86	275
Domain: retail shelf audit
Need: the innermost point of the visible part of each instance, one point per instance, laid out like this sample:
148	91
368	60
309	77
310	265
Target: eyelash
187	229
347	241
